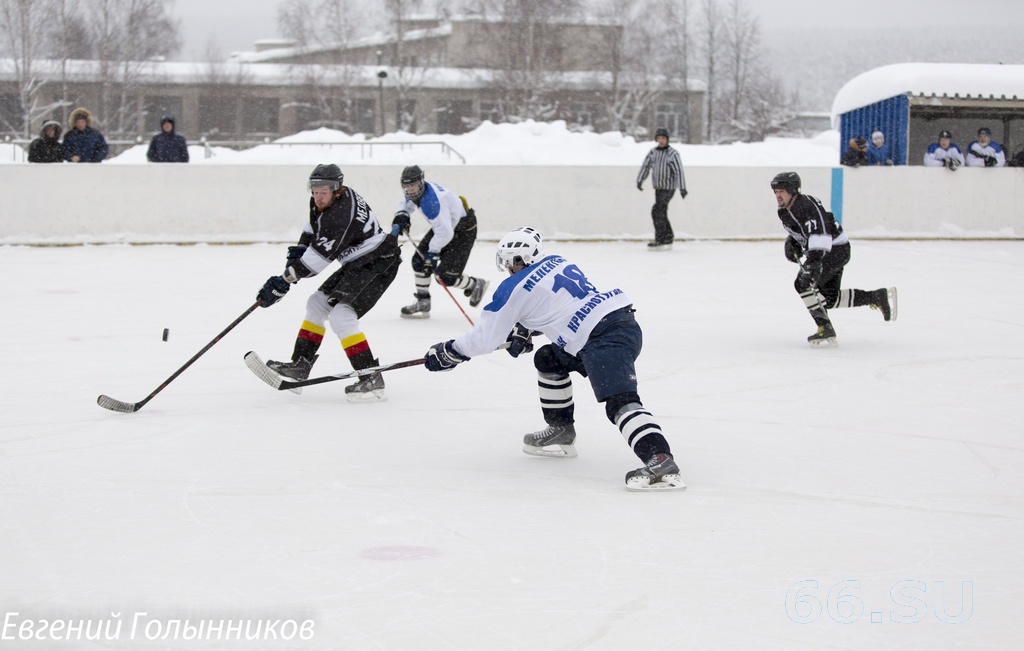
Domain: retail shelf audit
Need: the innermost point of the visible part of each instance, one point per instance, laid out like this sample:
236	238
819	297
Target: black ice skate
476	291
552	441
885	300
660	473
369	388
297	370
659	246
825	337
418	310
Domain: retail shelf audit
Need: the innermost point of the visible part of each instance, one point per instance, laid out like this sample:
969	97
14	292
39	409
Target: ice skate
297	370
885	300
825	337
476	291
659	246
552	441
660	473
418	310
369	388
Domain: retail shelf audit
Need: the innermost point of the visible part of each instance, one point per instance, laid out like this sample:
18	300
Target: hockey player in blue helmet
444	250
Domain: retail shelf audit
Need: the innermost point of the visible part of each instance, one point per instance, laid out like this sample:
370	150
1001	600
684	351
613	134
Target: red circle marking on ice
398	553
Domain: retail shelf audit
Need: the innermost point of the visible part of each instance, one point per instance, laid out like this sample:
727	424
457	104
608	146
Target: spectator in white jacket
944	153
983	152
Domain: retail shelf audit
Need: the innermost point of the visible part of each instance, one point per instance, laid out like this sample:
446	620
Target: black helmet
661	131
167	118
413	175
788	181
329	174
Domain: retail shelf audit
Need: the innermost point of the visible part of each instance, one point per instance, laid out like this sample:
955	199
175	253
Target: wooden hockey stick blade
260	370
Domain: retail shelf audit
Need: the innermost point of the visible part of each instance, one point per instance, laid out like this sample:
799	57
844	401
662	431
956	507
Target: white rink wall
67	204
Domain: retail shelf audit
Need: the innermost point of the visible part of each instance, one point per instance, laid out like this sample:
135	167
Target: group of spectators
83	143
982	152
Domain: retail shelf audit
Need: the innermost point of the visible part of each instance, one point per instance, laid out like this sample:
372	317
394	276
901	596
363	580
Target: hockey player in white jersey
445	249
593	333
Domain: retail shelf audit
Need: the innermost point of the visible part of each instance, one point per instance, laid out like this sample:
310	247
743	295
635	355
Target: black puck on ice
166	332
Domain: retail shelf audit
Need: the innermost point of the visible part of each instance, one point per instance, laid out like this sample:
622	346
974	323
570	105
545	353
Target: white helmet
522	244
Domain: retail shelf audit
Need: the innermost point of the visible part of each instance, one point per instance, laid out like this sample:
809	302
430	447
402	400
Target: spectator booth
912	102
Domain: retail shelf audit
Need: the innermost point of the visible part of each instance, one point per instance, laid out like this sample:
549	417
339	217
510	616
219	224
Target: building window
366	116
406	116
451	116
673	118
217	116
260	116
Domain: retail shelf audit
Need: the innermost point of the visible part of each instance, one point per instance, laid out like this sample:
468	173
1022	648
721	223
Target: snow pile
526	143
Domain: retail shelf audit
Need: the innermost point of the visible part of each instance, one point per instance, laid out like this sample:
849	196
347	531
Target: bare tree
710	43
321	30
741	43
23	26
128	33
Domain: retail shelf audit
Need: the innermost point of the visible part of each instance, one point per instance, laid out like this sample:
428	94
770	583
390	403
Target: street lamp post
381	76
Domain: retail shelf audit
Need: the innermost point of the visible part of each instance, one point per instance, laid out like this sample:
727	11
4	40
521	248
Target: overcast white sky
236	24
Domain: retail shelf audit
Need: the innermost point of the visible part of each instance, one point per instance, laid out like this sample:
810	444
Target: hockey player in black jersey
817	243
341	228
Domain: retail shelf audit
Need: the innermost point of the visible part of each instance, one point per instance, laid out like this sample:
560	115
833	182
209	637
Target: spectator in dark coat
47	148
82	143
857	153
167	146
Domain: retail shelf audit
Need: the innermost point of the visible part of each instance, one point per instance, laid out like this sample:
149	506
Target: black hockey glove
811	273
683	193
990	161
951	164
272	291
793	249
402	221
520	341
295	253
444	357
640	187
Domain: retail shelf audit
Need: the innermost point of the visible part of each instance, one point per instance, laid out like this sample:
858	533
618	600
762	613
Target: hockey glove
793	249
431	260
272	291
810	273
640	187
683	193
951	164
519	341
990	161
402	221
444	357
295	253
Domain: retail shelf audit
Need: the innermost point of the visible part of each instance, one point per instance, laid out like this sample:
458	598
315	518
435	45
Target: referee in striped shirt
667	175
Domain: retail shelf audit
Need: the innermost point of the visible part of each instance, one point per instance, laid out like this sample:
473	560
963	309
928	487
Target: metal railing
365	148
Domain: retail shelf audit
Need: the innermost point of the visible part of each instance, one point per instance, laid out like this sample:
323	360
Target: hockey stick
276	381
128	407
256	365
440	282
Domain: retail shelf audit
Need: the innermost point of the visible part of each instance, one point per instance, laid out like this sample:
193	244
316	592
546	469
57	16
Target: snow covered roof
928	80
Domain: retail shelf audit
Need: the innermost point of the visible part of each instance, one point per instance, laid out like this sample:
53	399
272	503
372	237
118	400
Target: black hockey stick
128	407
265	373
277	381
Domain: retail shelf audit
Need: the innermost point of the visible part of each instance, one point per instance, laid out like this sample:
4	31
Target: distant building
444	77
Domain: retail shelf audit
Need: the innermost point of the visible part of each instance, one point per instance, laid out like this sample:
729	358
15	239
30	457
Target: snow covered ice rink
869	496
